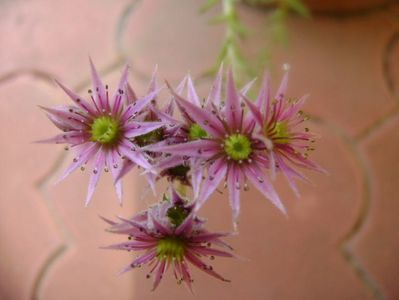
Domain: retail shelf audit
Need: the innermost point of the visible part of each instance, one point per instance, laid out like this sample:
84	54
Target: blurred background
340	240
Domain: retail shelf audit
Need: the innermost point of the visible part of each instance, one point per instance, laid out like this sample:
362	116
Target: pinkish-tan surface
340	240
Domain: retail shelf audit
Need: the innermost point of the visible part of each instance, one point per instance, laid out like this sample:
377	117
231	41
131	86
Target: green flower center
281	133
237	146
196	132
105	130
171	248
149	138
177	215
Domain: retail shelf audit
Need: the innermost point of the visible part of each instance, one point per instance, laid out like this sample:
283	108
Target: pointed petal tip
42	107
90	60
286	67
104	247
235	226
58	180
106	220
88	200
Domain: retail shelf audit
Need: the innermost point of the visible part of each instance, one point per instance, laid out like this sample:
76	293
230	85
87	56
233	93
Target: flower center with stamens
105	130
237	146
177	214
171	248
196	132
281	134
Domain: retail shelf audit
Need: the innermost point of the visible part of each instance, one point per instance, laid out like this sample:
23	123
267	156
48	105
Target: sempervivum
281	127
102	129
171	236
226	145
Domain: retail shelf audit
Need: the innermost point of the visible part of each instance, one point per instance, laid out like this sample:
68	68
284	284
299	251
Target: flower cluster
226	137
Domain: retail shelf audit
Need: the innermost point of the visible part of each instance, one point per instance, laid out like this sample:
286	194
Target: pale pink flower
227	146
280	125
101	130
171	237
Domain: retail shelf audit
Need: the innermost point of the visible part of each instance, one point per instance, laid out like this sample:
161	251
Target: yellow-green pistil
237	146
281	133
171	248
105	130
196	132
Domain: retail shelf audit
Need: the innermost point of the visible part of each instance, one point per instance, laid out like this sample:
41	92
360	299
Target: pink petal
262	183
192	95
247	87
98	87
202	266
159	274
130	95
204	118
216	172
263	100
205	251
78	100
134	108
208	237
196	178
165	117
68	113
71	137
233	109
66	124
198	148
186	226
214	96
134	154
112	161
127	166
256	113
182	271
282	88
140	260
97	170
134	245
85	155
153	81
120	95
151	179
160	227
186	275
233	184
134	129
294	109
169	162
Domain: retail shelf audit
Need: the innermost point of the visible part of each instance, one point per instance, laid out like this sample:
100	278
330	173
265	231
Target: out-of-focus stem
231	35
